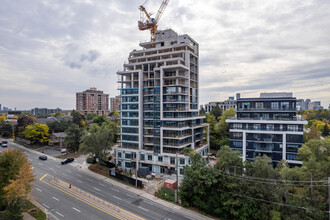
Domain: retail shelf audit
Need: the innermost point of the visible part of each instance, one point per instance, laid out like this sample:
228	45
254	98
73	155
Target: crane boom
161	9
151	23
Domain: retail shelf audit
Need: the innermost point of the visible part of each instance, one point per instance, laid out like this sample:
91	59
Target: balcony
266	109
269	119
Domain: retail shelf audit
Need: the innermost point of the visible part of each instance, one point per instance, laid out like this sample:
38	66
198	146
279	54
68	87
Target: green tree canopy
98	140
37	133
73	135
58	126
6	129
216	111
22	122
78	118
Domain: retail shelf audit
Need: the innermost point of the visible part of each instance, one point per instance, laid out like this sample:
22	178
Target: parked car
4	144
67	160
43	157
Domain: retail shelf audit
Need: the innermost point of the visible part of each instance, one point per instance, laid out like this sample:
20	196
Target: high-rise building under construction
159	89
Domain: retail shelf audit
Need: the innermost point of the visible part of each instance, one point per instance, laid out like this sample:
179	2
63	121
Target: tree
98	141
325	131
202	111
58	126
78	118
99	120
15	182
216	111
91	116
22	122
37	133
116	114
6	129
229	161
313	133
74	133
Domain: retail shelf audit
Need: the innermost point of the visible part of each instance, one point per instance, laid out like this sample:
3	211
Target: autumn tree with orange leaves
16	177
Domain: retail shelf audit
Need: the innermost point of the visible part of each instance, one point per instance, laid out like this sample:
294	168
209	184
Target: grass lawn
38	214
166	194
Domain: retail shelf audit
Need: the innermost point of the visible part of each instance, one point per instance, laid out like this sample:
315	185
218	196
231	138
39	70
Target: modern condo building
159	105
267	125
92	101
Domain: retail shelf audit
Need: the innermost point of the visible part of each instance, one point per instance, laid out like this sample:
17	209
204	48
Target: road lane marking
101	184
148	202
79	181
97	189
39	189
69	171
116	197
76	209
59	214
79	175
89	179
129	195
118	217
45	205
40	164
143	208
56	199
115	190
51	168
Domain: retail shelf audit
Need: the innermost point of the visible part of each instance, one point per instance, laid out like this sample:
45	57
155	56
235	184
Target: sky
49	50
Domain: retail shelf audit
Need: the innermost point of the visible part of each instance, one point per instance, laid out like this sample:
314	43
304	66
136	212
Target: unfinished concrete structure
159	105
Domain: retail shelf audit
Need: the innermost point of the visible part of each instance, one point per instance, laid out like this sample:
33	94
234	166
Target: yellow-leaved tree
16	177
37	133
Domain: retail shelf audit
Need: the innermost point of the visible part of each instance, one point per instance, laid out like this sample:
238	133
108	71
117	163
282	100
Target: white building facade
159	105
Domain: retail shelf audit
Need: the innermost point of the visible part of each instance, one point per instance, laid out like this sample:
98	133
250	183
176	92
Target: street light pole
136	168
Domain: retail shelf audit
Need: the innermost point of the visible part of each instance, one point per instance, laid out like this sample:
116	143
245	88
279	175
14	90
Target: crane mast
147	22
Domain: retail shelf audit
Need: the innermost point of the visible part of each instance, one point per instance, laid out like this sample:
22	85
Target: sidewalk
179	209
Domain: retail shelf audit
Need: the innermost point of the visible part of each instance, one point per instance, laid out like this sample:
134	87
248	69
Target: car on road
4	144
67	160
43	157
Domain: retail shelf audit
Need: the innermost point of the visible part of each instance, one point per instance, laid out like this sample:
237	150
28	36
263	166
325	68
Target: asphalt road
64	206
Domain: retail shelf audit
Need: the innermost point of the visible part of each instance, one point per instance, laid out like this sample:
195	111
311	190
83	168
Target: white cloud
51	49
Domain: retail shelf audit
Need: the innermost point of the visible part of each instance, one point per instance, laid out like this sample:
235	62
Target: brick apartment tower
159	90
115	104
92	101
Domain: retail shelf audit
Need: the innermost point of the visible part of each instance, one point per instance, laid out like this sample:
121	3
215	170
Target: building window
172	160
149	157
142	157
275	106
292	128
127	164
128	156
119	154
285	105
245	105
256	126
160	159
292	147
237	144
237	126
181	171
119	163
259	105
237	135
291	156
182	160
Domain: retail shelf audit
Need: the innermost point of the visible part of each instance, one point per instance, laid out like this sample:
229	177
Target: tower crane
147	22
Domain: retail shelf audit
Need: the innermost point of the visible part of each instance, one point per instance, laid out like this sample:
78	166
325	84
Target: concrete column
244	146
284	147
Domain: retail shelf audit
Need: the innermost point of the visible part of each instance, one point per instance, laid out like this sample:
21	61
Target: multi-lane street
64	206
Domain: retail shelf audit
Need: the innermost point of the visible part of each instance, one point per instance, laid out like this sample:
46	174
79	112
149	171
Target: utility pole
177	180
136	168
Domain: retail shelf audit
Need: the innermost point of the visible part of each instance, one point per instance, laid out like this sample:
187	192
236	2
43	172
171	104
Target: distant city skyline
50	51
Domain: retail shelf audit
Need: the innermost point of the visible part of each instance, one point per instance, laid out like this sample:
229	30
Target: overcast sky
49	50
